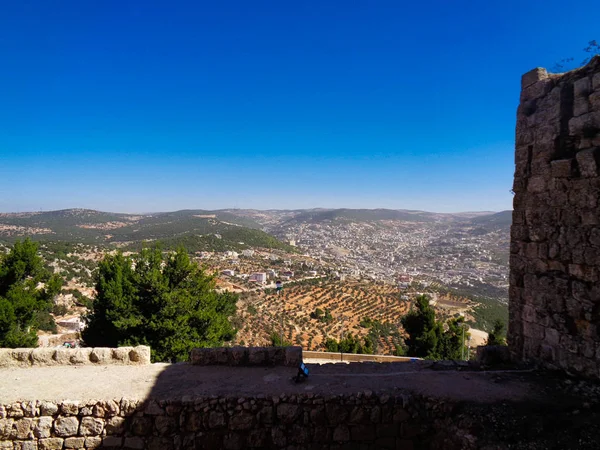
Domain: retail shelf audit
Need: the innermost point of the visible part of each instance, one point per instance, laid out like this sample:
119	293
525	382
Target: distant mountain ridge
91	226
196	229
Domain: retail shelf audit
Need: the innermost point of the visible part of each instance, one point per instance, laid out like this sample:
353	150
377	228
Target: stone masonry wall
555	237
24	357
365	420
247	356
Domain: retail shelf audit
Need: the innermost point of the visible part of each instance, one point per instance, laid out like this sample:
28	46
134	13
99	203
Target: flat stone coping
175	381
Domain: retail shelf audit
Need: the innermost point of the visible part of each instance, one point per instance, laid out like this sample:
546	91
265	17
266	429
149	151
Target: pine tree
26	293
496	337
166	302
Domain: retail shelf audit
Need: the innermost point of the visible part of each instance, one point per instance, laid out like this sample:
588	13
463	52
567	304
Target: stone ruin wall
140	355
555	236
366	420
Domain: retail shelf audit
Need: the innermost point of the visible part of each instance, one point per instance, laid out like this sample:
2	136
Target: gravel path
165	381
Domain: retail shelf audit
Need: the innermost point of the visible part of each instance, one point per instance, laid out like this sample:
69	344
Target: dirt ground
165	381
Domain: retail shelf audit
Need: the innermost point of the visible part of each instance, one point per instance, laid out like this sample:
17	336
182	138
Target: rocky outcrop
555	236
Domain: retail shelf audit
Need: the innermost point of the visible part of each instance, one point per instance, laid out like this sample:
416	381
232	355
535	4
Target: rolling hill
196	229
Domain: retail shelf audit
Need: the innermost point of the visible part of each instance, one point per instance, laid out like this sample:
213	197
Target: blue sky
153	105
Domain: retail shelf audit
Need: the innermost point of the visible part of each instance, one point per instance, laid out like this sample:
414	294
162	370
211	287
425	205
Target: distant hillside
498	220
364	215
194	227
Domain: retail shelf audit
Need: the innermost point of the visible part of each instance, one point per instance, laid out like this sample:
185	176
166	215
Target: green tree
276	340
26	293
426	335
350	344
497	335
166	302
424	332
452	343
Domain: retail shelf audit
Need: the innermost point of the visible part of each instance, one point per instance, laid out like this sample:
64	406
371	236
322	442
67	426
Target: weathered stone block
42	427
293	356
341	433
66	426
216	420
287	413
582	87
153	409
234	441
112	442
533	76
115	425
74	442
25	445
6	358
48	408
596	81
134	442
257	438
336	413
589	162
165	425
93	442
30	409
43	356
129	406
101	355
22	356
581	106
23	427
91	426
585	125
50	444
562	168
121	355
241	421
70	407
141	426
140	354
62	356
237	356
536	184
257	356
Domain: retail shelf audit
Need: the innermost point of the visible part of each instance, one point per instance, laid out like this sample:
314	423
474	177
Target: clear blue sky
162	105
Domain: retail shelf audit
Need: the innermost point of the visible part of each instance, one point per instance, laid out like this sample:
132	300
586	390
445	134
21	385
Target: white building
248	252
259	277
228	272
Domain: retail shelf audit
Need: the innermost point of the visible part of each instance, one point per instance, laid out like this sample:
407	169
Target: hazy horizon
248	209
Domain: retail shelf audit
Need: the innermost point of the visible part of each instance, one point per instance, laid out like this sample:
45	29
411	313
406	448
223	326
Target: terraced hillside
348	303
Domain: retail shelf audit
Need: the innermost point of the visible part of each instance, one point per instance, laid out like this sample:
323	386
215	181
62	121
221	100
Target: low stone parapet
26	357
247	356
229	422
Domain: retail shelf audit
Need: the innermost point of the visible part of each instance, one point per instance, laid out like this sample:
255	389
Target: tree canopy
164	301
497	335
350	344
26	292
430	338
